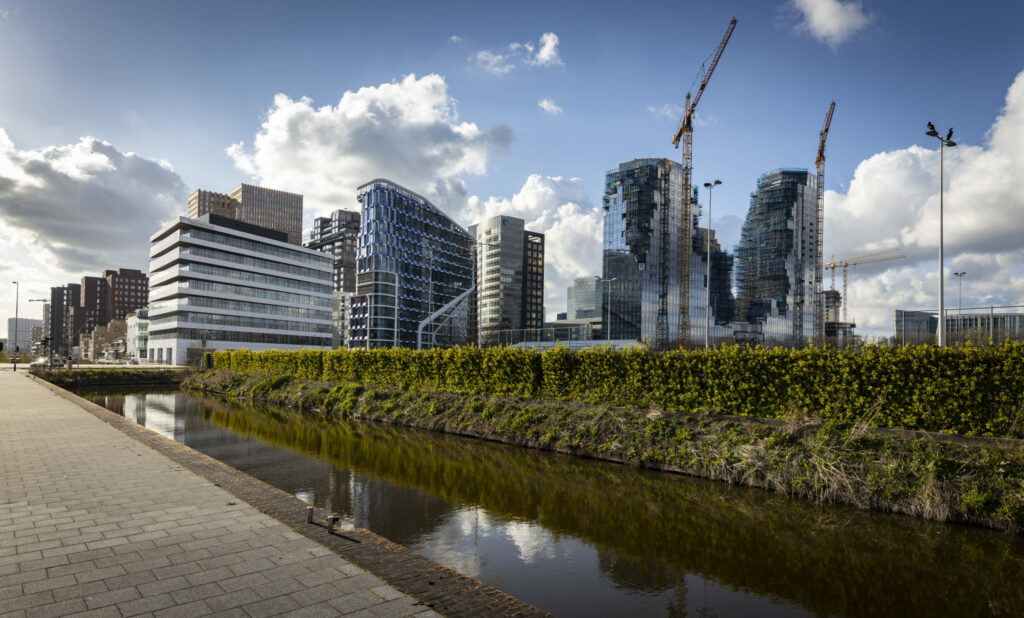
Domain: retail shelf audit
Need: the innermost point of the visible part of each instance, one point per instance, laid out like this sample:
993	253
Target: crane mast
819	300
846	263
685	136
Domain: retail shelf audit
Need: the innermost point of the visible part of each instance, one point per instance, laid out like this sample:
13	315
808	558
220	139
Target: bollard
309	514
332	520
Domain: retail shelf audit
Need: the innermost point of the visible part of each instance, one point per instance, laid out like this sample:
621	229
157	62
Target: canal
578	537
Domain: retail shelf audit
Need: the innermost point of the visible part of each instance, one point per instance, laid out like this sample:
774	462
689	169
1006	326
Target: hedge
974	391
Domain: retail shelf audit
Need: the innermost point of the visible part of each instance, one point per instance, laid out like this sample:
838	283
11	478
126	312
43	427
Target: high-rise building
95	301
56	330
509	278
642	222
723	302
777	257
584	298
268	208
19	333
128	290
337	235
218	283
203	202
74	318
414	272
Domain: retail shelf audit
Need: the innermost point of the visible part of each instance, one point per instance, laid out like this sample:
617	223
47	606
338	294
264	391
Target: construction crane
685	135
819	272
857	260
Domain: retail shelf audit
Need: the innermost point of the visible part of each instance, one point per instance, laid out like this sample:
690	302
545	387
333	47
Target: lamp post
608	310
14	349
946	142
707	291
959	302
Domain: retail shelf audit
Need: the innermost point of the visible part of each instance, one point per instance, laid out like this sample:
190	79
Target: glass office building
219	284
414	272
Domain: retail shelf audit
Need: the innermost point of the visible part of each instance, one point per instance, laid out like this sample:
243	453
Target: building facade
19	333
584	298
137	335
220	284
128	290
509	278
268	208
338	235
777	255
73	318
414	272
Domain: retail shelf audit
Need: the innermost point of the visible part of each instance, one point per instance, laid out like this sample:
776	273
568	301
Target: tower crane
819	300
685	135
857	260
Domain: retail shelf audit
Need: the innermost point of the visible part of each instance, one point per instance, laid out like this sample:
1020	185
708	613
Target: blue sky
180	82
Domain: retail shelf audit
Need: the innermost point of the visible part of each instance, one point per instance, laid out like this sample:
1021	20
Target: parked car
45	362
38	363
57	362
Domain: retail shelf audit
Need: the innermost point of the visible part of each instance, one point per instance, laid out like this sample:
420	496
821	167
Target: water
577	537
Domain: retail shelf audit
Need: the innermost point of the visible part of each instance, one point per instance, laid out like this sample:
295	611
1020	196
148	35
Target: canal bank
126	521
950	478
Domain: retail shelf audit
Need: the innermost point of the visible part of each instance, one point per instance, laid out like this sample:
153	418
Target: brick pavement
96	523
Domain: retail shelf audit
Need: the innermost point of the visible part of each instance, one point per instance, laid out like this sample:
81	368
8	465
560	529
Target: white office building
221	284
19	332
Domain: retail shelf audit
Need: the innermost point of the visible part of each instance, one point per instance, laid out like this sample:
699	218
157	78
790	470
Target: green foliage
968	390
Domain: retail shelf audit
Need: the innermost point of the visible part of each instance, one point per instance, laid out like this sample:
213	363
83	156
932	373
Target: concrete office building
777	255
338	235
136	334
414	272
218	283
73	319
19	333
268	208
509	278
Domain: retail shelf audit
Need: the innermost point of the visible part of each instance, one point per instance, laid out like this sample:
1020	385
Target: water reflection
579	537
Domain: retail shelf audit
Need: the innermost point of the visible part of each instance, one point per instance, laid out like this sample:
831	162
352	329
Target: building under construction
777	257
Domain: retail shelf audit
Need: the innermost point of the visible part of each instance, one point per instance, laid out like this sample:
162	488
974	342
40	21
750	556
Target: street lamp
946	142
608	310
707	292
14	349
959	303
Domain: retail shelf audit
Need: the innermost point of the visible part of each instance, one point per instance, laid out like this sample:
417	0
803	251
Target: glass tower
414	272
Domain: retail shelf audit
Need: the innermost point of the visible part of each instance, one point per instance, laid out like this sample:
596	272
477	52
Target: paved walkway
95	523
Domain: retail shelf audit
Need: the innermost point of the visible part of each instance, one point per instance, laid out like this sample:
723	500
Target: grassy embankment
79	378
843	453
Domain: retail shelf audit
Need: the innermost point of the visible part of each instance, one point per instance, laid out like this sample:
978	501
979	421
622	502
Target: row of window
231	273
236	336
257	247
256	262
239	321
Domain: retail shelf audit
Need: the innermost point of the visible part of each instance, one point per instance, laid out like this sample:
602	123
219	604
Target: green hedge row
978	391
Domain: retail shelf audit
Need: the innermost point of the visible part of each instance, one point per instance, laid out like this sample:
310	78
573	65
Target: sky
111	113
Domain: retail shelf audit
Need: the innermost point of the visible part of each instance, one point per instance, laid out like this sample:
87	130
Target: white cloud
407	131
893	201
559	208
831	21
550	107
87	204
454	38
668	110
514	54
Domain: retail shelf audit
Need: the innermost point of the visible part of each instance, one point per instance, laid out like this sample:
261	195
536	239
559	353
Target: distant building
128	290
338	235
584	298
268	208
340	310
19	333
99	343
95	301
916	327
218	284
777	256
509	277
73	318
414	272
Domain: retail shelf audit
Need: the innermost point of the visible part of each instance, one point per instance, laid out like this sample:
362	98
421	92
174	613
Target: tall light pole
707	291
946	142
959	302
608	310
14	348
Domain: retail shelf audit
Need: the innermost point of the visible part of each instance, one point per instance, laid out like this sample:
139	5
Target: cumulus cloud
87	205
831	21
668	110
454	38
501	61
893	201
408	131
550	107
559	208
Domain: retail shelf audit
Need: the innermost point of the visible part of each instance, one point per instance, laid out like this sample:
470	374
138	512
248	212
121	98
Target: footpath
100	517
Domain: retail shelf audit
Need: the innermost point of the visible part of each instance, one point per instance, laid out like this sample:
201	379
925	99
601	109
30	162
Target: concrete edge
436	586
